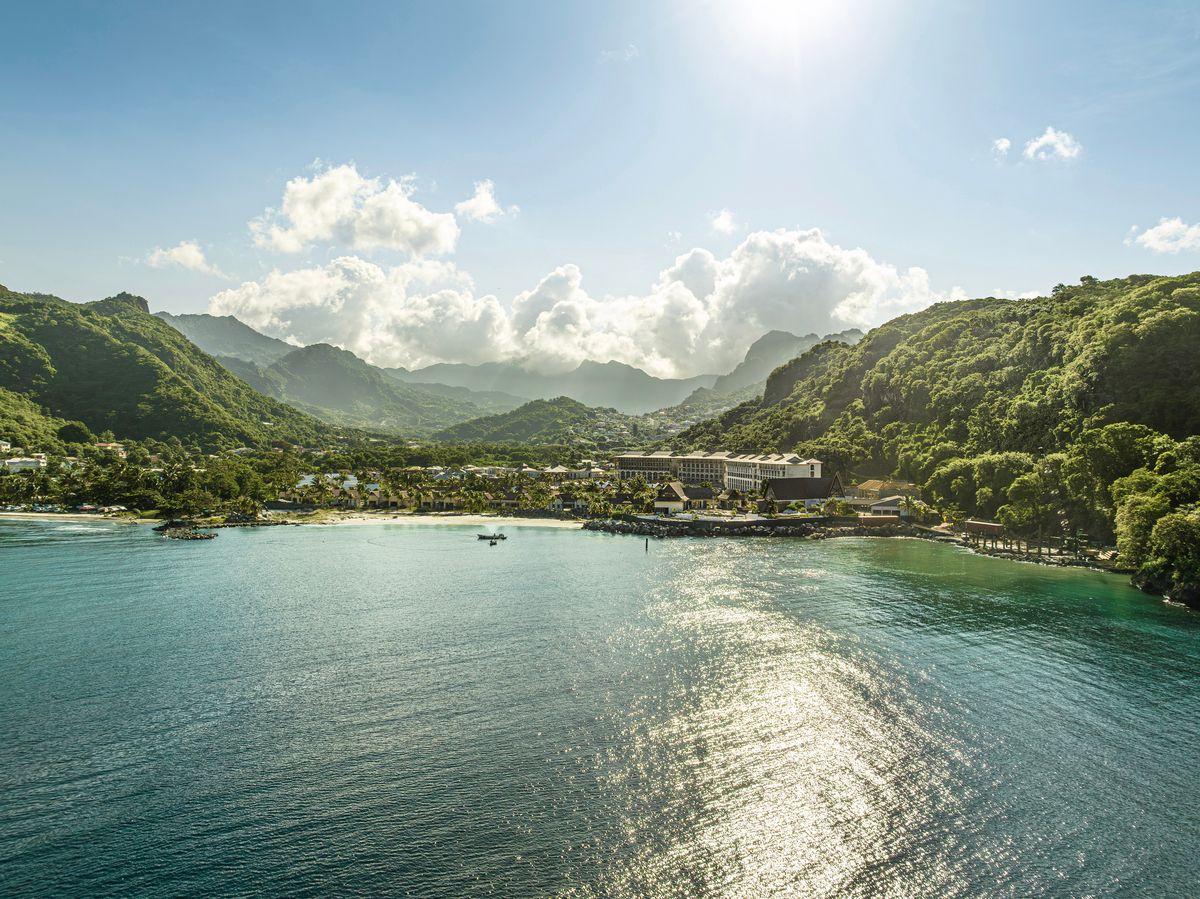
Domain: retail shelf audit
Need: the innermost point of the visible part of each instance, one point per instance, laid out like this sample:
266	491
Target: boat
492	537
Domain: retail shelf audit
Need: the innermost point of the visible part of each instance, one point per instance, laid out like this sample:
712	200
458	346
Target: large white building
737	471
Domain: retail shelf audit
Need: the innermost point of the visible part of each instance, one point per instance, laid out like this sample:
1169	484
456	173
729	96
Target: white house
889	505
24	463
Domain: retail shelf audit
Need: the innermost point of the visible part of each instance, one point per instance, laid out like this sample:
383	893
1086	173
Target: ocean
403	710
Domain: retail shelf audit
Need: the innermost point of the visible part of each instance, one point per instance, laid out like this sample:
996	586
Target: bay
403	710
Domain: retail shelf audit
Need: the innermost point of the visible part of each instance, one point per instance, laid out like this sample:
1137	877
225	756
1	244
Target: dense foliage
114	367
562	420
1037	412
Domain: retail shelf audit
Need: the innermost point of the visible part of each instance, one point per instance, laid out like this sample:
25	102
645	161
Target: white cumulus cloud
723	222
186	254
482	205
699	316
1001	146
339	205
1168	236
1053	144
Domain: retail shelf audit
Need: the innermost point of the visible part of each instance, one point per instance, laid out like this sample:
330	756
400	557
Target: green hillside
337	386
561	420
1055	414
224	335
114	367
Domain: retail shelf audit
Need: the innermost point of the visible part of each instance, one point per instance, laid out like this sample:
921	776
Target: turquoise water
401	710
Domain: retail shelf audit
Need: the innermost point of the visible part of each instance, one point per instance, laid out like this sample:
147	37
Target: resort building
808	492
744	472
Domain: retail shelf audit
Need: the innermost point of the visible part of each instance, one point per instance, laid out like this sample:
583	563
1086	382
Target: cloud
411	314
1001	146
723	222
1168	236
699	316
628	53
187	254
339	205
482	205
1053	144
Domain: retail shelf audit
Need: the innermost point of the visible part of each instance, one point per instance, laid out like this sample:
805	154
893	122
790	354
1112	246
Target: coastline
449	518
74	516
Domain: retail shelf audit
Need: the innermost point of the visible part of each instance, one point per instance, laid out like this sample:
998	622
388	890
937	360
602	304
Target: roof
700	493
789	489
887	499
672	492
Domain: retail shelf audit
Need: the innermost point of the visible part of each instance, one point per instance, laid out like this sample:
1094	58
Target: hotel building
736	471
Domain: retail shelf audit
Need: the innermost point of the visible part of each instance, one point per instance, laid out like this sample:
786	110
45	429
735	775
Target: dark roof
790	489
700	493
672	492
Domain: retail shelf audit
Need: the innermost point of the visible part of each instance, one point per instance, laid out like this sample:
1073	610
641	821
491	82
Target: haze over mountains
499	386
109	366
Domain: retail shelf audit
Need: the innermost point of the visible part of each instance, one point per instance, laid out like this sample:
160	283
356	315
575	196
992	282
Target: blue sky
622	131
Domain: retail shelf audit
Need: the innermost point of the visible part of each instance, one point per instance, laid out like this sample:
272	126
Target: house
24	463
879	488
116	449
568	502
671	498
807	492
983	528
701	498
876	521
891	505
5	446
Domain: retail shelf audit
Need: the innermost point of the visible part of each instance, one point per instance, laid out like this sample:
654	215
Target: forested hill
338	387
985	375
560	420
112	366
1073	411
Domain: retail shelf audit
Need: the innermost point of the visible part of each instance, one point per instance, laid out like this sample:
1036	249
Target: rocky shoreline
814	531
818	531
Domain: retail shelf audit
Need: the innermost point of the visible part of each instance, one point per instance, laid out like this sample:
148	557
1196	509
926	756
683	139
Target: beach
482	521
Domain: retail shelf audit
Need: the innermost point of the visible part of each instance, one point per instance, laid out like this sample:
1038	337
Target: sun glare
783	30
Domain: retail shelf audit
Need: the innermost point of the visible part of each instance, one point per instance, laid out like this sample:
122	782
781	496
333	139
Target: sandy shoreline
478	521
74	516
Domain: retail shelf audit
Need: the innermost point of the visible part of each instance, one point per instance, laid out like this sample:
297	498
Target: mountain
337	386
412	409
769	352
112	366
559	420
225	335
609	384
988	375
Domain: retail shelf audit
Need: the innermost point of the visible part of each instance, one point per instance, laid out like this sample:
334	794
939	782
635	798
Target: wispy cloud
1053	144
1168	236
628	53
187	254
1001	146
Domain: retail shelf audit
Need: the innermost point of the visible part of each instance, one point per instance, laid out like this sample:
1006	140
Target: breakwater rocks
182	529
816	530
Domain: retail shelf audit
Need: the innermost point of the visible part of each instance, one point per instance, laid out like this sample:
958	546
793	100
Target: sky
653	182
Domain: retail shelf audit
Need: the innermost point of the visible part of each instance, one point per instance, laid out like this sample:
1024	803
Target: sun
779	30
